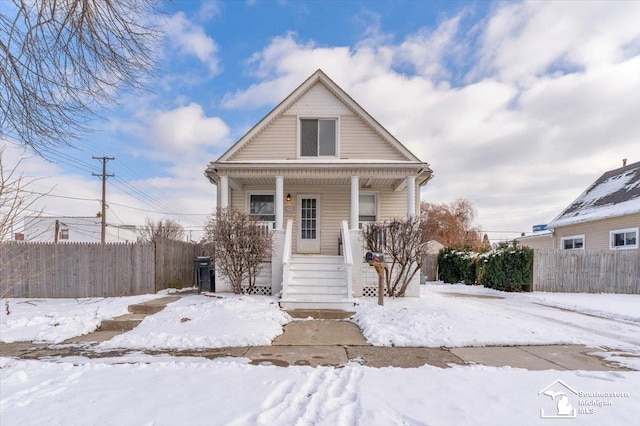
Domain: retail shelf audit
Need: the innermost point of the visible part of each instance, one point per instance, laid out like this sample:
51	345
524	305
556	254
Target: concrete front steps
137	313
317	282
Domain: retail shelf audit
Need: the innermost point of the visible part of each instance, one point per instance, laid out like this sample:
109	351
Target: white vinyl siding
276	142
624	239
359	141
597	233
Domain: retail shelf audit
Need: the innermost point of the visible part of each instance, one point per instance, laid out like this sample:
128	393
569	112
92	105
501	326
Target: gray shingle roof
615	193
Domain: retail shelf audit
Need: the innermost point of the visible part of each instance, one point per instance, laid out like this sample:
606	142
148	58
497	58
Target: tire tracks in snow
327	396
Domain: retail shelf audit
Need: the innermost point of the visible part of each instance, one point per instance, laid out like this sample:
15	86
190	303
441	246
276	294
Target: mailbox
372	257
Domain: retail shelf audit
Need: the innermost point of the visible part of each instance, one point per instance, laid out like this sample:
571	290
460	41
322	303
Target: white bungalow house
314	169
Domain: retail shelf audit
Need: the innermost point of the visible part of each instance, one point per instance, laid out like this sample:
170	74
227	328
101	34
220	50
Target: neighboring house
70	229
605	217
537	240
542	238
434	247
314	170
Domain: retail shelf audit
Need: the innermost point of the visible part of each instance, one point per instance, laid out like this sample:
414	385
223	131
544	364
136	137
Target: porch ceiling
365	183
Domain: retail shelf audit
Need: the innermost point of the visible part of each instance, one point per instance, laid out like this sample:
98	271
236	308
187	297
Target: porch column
355	202
279	201
411	196
224	192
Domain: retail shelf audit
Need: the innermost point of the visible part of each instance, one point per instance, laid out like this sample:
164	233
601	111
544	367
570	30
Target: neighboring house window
262	207
368	208
574	242
318	137
624	239
64	234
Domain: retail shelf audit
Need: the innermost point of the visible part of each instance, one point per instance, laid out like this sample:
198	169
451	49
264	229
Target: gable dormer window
319	137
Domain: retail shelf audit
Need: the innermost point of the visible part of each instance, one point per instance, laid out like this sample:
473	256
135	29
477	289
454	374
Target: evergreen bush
507	268
457	266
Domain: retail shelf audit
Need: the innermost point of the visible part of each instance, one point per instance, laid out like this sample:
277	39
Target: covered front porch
315	214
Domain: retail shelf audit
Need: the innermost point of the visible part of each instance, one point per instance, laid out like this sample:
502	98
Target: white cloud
523	40
426	49
191	39
550	103
185	131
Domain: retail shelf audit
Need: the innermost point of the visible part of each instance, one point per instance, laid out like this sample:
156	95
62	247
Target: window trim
573	237
376	194
248	206
299	135
621	231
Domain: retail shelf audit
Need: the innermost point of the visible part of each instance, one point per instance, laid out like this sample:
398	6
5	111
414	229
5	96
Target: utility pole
104	177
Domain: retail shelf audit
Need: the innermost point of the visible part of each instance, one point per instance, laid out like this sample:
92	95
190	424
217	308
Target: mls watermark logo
558	392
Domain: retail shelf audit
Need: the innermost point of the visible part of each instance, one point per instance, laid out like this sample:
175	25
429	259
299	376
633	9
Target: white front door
308	224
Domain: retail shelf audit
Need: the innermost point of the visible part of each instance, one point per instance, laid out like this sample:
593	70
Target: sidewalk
337	342
331	340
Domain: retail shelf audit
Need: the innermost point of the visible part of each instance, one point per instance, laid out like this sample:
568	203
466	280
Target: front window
262	207
574	242
318	137
622	239
368	208
64	234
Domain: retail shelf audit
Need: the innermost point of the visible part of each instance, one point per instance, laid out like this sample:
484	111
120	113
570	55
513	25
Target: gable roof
318	77
615	193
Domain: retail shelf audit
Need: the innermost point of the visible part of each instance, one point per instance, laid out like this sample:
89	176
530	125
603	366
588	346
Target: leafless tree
16	202
452	224
163	228
404	244
62	61
241	246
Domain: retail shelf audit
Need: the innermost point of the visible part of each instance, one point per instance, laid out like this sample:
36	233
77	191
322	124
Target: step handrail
286	258
348	257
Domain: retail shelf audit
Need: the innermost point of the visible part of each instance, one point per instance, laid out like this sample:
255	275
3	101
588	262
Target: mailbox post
377	261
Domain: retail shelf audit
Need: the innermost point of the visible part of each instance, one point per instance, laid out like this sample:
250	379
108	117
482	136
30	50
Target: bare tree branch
62	61
16	202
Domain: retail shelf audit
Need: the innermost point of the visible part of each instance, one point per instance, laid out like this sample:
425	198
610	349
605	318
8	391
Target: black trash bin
203	266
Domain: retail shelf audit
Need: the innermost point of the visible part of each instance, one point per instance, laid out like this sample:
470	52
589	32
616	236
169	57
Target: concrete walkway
329	342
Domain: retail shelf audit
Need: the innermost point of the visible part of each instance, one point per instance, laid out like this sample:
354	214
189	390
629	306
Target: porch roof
372	173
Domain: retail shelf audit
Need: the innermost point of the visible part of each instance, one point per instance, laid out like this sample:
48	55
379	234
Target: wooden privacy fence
587	271
430	267
95	270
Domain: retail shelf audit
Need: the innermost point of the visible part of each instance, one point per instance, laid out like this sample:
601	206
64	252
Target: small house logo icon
558	392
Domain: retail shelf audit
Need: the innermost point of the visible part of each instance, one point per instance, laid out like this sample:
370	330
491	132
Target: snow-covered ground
164	390
56	320
459	315
213	321
138	389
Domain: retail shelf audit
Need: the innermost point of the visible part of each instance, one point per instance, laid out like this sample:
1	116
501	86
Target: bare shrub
404	244
163	228
240	245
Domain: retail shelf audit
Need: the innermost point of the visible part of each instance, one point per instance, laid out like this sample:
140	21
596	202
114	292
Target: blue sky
517	106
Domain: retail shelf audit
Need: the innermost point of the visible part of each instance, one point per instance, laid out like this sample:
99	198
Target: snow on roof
615	193
537	234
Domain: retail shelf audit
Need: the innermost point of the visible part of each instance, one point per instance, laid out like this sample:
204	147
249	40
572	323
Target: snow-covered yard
165	390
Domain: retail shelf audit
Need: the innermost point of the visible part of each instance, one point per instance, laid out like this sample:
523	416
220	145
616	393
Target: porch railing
348	257
286	258
266	227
